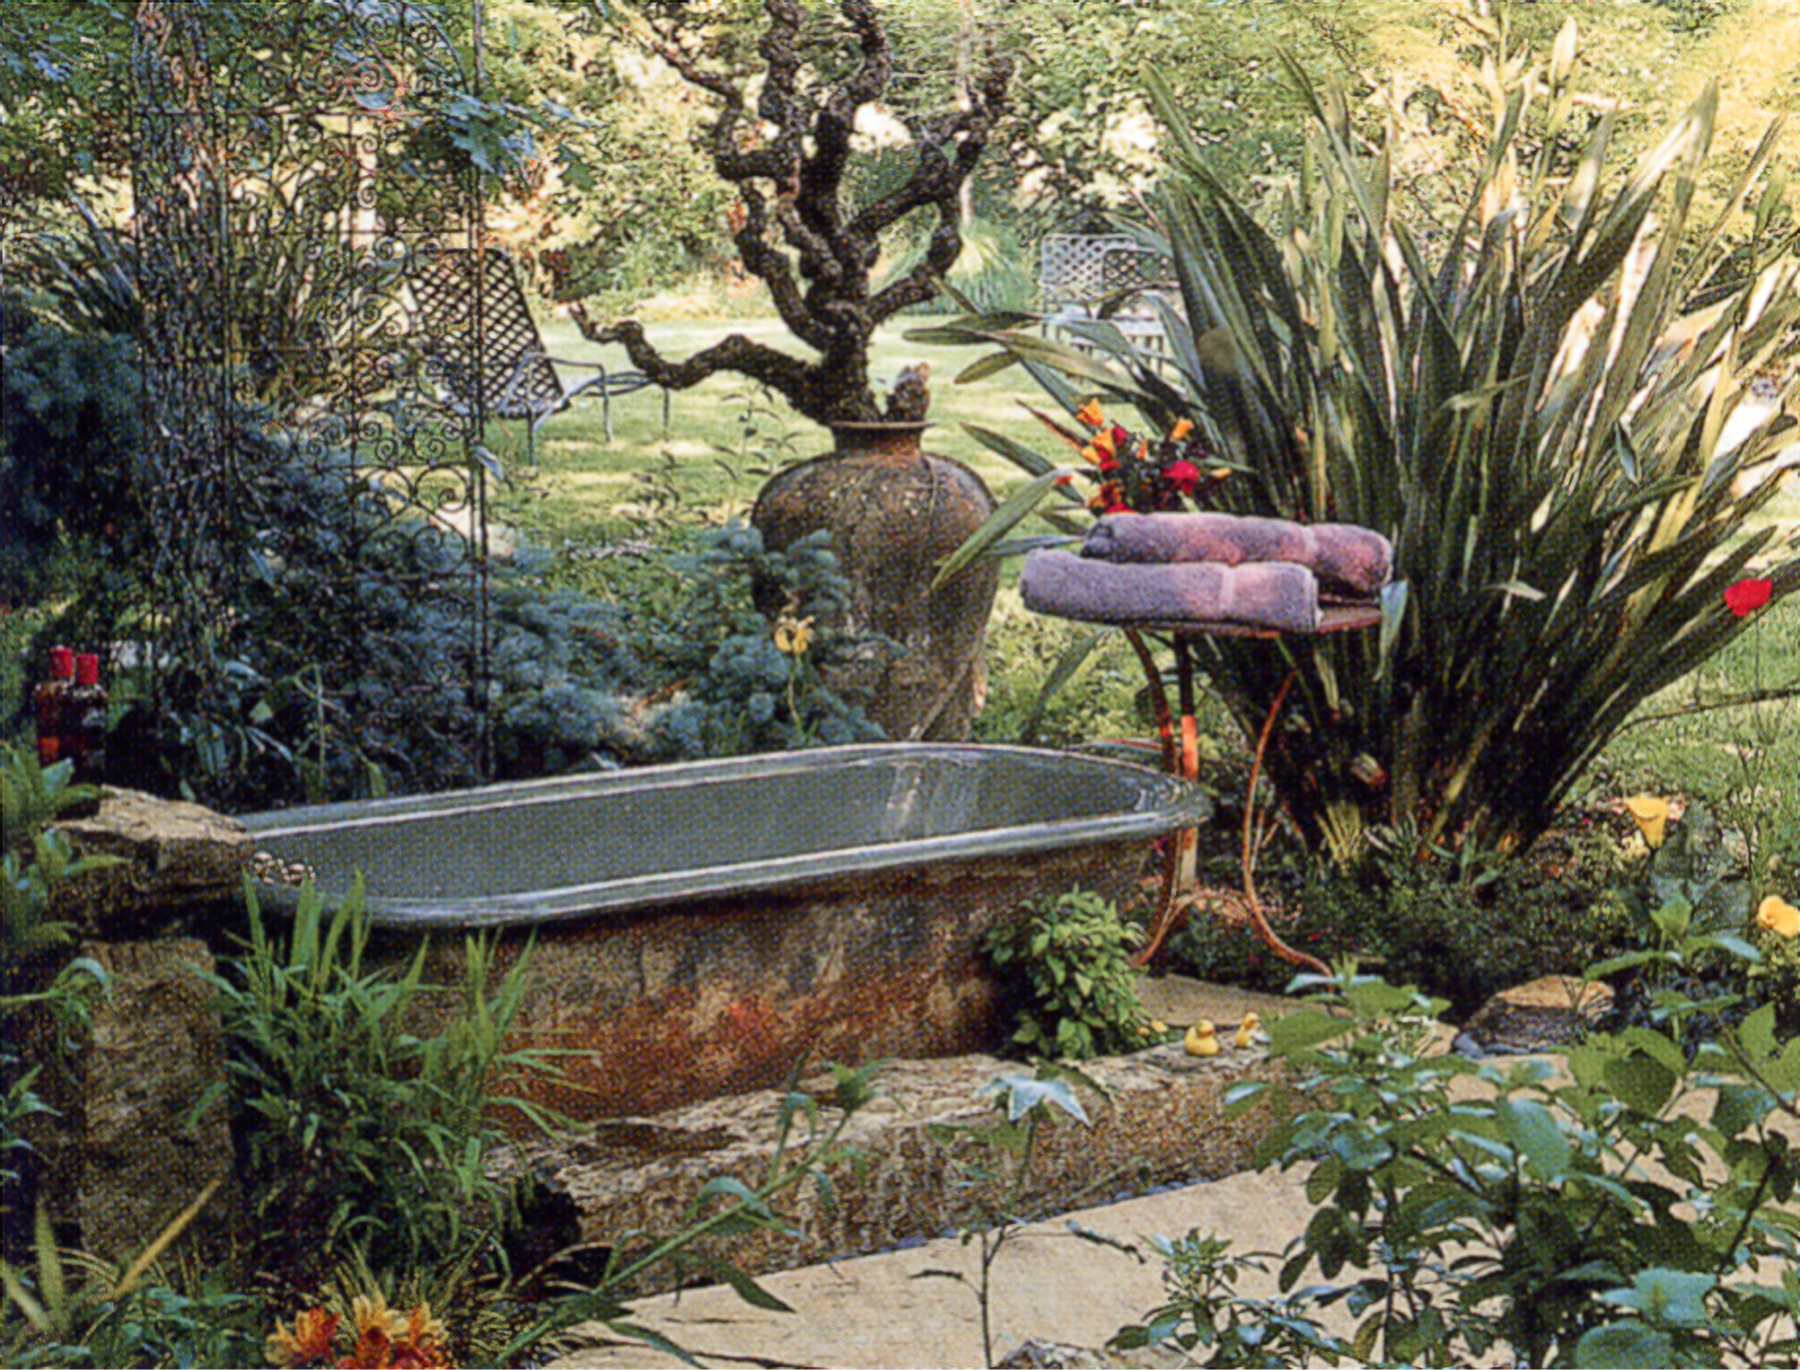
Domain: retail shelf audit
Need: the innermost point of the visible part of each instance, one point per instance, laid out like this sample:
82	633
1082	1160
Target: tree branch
790	376
788	160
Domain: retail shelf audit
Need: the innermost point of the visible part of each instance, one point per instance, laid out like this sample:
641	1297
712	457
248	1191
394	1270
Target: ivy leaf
1532	1130
1643	1085
1025	1092
1670	1296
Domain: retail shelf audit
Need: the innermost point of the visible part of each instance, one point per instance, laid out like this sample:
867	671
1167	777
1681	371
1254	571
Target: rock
1544	1013
1049	1355
177	857
1165	1122
127	1151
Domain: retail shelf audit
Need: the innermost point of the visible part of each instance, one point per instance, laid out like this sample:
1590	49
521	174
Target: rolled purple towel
1271	594
1347	559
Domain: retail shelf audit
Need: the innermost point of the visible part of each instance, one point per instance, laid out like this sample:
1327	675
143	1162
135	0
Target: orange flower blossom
1779	916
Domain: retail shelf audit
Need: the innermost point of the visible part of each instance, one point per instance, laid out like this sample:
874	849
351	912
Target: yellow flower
1091	454
1181	429
421	1326
1651	814
1779	916
1103	442
792	636
1090	414
372	1314
309	1341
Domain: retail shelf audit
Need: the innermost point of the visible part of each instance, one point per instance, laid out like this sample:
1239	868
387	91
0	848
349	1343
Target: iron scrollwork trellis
309	466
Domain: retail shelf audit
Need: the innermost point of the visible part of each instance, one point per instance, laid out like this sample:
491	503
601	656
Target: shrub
1515	1215
1527	401
1079	988
70	438
1460	931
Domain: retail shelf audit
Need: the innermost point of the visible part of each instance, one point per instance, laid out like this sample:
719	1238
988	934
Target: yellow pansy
793	635
1181	429
1103	442
1090	414
1651	814
1779	916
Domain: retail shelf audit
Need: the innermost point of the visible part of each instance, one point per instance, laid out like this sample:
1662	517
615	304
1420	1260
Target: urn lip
883	425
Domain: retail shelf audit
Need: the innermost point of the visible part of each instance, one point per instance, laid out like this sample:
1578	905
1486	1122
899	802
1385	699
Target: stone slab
128	1148
176	857
1164	1123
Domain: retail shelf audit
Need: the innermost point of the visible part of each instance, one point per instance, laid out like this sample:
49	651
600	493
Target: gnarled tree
787	149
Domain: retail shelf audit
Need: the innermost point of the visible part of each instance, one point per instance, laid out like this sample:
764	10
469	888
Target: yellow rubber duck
1202	1039
1246	1033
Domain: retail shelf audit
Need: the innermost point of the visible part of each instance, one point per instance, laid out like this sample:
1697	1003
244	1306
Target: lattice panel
1134	268
457	306
1071	266
305	470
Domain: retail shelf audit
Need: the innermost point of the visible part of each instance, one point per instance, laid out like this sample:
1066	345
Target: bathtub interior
516	840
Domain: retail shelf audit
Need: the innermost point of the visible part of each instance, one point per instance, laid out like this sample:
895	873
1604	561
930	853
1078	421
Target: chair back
517	380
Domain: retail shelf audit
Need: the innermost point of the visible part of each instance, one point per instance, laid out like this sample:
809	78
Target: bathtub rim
1169	803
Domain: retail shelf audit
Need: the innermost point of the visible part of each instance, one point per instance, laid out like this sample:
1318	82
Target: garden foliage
70	434
1527	400
344	668
38	968
1462	1207
359	1131
1072	959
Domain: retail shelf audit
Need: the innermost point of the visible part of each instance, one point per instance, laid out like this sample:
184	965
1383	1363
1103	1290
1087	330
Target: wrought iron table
1180	754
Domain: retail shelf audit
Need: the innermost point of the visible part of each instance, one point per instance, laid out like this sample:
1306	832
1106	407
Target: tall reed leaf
1528	401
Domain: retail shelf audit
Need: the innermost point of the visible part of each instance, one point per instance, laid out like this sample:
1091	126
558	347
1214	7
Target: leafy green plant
1081	993
36	970
1205	1313
70	437
113	1316
1525	400
992	1164
1462	1207
357	1131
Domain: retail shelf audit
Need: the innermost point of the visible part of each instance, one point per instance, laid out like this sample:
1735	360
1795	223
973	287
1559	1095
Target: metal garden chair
519	378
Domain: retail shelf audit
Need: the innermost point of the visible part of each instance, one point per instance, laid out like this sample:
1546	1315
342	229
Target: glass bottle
86	728
50	703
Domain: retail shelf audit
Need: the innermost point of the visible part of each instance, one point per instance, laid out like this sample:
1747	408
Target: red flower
1066	479
1120	437
1183	475
1747	596
1108	464
1121	509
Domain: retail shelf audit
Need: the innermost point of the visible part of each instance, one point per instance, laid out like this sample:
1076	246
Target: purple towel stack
1350	562
1208	568
1264	594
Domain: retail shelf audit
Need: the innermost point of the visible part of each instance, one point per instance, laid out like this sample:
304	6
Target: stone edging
1165	1123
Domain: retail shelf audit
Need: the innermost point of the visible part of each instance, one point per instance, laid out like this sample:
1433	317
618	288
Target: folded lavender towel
1279	595
1346	559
